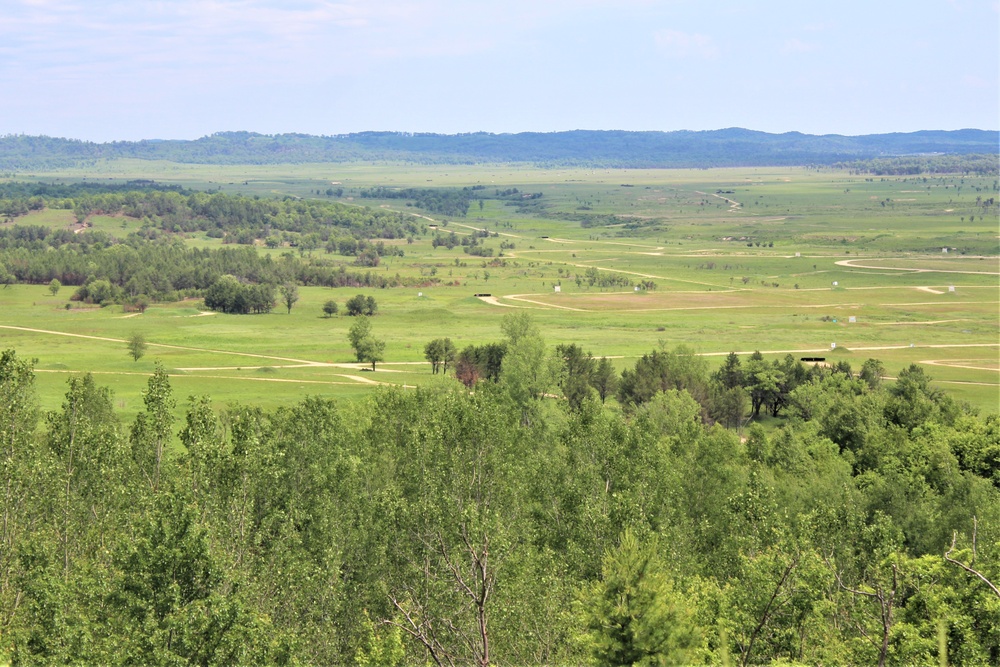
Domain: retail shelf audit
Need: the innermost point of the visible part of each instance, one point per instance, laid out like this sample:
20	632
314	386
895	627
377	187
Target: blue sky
132	69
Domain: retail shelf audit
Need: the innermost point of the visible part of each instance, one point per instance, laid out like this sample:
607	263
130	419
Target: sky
104	70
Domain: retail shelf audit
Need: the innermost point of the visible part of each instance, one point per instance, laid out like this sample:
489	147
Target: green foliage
446	201
984	164
362	305
168	602
228	295
367	348
576	375
480	362
289	294
383	647
440	352
527	371
633	614
441	526
151	431
662	370
604	379
136	345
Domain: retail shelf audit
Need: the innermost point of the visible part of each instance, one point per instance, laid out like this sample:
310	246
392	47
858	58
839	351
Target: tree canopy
504	525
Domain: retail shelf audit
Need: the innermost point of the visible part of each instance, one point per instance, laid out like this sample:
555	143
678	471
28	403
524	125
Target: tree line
977	164
240	218
453	202
615	148
163	268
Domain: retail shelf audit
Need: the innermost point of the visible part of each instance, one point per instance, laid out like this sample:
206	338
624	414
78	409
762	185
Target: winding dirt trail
951	363
852	264
230	377
295	363
305	362
733	204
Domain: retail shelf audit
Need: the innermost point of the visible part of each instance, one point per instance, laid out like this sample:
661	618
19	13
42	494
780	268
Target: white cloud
685	45
973	81
795	45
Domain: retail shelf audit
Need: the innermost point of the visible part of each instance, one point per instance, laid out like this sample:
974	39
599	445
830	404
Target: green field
776	260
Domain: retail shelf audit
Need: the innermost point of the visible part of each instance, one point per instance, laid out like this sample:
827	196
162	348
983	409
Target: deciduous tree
136	345
367	348
289	294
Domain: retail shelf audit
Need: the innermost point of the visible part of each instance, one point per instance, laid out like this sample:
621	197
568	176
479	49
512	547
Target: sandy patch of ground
492	300
523	297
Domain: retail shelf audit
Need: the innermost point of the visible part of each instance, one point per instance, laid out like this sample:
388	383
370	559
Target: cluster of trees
471	243
161	269
440	352
454	202
446	201
361	305
302	223
499	526
596	278
229	295
18	198
738	392
479	362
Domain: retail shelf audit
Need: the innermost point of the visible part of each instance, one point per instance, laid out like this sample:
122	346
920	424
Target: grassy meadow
777	260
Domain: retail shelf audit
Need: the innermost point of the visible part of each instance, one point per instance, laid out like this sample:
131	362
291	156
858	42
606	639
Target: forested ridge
526	522
614	148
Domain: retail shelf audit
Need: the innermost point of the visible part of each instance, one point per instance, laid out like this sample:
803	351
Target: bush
361	305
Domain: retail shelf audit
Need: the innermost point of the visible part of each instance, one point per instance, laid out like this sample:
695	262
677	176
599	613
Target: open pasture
741	260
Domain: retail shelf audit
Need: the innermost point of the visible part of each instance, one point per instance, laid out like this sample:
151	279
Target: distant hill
715	148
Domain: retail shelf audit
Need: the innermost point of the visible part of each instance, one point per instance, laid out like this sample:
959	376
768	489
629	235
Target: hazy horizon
579	129
112	70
